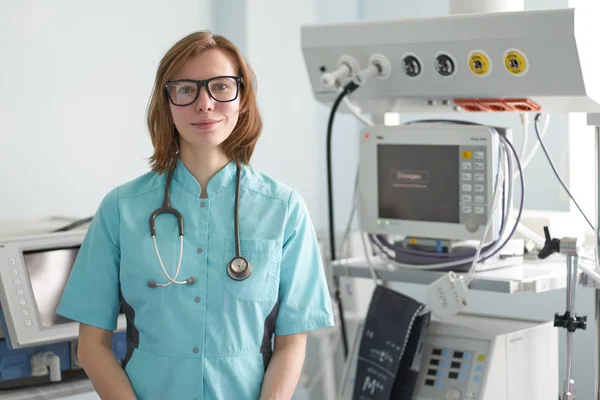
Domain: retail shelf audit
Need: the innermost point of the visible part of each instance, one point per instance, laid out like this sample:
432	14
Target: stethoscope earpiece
239	268
189	281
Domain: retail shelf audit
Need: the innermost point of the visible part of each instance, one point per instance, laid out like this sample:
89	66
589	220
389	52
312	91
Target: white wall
290	144
75	79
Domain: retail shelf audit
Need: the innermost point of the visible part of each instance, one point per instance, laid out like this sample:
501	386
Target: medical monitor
33	273
429	180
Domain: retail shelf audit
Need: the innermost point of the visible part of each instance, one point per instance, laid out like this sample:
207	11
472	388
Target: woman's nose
204	102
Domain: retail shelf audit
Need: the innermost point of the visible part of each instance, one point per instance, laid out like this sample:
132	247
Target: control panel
16	285
453	368
473	187
460	63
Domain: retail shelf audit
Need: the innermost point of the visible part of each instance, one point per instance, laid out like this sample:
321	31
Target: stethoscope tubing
167	209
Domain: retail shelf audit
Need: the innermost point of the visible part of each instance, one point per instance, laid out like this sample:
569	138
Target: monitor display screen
418	182
48	271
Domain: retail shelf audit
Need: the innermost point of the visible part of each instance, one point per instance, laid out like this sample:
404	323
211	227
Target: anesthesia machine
37	346
437	201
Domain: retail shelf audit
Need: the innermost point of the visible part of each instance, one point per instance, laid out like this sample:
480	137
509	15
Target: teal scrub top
211	340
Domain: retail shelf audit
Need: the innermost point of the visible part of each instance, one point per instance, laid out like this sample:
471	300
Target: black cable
537	133
73	225
349	88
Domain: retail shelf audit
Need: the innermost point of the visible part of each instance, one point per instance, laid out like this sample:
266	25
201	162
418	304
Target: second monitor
429	180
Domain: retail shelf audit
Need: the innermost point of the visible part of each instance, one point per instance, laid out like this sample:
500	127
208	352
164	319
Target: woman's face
206	123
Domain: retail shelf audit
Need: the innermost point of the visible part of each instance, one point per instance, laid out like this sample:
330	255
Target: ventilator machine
439	196
37	346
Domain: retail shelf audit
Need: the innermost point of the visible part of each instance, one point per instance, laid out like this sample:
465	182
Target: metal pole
569	384
566	386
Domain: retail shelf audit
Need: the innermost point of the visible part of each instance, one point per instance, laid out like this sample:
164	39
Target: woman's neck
203	165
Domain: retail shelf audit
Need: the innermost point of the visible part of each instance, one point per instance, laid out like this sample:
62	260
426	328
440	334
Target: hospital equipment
573	249
238	268
455	66
474	356
437	184
36	345
432	180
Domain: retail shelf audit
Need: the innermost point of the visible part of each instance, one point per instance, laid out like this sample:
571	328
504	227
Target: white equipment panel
519	61
33	272
474	357
407	171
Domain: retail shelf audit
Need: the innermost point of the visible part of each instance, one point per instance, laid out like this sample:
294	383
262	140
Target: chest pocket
264	256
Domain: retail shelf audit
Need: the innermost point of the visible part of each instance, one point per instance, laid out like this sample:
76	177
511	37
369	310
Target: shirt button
197	299
202	204
199	249
196	350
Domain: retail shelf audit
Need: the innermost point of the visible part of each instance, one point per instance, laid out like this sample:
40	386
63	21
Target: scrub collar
220	181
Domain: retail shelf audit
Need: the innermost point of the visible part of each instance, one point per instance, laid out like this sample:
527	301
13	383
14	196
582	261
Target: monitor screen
48	271
418	182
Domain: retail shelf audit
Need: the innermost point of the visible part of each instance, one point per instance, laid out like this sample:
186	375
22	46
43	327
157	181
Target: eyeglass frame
204	83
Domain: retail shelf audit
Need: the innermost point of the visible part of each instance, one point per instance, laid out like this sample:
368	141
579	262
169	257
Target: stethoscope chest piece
239	268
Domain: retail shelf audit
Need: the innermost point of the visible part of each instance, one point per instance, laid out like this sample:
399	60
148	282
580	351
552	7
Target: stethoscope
238	268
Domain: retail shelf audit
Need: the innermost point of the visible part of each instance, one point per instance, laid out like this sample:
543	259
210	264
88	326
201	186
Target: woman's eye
185	90
220	87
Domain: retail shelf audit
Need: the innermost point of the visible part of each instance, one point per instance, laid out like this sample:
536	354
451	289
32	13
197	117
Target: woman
199	327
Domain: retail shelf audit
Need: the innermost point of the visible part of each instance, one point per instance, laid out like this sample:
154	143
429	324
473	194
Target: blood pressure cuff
391	347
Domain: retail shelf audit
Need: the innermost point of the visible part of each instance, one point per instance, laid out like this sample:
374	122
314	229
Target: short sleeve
91	295
304	300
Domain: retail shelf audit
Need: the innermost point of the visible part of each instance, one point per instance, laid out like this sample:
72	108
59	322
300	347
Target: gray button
466	176
202	204
479	199
28	322
466	165
467	209
479	210
25	312
467	187
472	224
196	350
23	302
466	198
479	177
479	188
11	261
197	299
479	155
15	272
199	249
17	281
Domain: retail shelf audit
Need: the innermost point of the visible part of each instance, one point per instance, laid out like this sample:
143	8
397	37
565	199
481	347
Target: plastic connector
385	67
447	296
46	363
367	74
329	79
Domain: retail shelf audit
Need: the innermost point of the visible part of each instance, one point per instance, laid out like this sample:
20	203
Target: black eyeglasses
221	88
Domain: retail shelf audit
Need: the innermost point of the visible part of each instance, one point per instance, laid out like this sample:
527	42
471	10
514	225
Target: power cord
348	88
537	133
